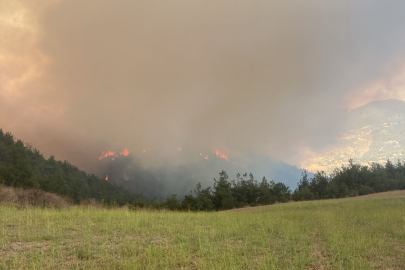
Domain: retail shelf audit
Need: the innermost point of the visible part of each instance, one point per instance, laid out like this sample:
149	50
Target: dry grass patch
32	197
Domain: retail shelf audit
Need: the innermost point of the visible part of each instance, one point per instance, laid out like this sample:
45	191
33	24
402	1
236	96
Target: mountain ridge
374	132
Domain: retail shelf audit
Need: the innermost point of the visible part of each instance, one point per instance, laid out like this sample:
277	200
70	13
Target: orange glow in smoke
106	154
144	151
206	157
110	153
179	149
106	178
221	155
125	152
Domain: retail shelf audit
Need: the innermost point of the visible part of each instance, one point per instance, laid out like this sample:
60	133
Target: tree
319	185
264	195
304	182
222	194
172	203
280	191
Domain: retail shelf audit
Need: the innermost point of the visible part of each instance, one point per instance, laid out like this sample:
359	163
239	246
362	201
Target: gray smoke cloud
269	77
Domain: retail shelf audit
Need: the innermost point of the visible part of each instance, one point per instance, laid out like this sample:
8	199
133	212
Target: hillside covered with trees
21	165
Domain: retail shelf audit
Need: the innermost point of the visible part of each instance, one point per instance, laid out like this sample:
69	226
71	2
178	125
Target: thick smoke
166	178
268	77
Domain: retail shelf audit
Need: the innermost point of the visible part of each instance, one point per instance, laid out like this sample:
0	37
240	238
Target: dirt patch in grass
25	246
318	255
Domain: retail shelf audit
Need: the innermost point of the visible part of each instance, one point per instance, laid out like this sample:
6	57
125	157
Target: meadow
358	233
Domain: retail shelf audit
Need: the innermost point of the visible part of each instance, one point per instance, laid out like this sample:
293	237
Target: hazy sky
272	77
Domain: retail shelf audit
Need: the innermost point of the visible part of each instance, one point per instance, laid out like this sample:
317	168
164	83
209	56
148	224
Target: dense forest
23	166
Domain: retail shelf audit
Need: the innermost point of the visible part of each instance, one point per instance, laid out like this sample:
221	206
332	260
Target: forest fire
221	155
106	154
110	153
125	152
106	178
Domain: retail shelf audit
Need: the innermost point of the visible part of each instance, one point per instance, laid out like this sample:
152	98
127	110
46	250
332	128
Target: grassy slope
363	233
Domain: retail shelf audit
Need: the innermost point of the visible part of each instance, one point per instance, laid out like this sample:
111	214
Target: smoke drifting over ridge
81	77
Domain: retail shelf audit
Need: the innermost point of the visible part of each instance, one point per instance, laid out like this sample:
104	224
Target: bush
365	190
172	203
303	195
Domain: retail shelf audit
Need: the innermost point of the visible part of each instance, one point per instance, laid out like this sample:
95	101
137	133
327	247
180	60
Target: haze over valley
374	132
192	88
195	134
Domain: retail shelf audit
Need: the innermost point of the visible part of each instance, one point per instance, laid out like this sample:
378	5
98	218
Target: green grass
363	233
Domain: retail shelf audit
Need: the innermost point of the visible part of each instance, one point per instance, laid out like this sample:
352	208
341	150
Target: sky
270	77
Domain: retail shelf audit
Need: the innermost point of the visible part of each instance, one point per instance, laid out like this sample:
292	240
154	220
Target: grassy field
361	233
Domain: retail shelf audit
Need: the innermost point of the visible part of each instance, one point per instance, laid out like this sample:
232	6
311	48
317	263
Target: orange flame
144	151
106	154
221	155
179	149
110	153
125	152
206	157
106	178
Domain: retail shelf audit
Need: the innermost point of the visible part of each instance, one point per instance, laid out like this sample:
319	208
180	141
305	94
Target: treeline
347	181
21	165
351	180
225	194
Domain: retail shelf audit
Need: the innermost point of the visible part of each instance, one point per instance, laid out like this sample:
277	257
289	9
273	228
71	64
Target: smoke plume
266	77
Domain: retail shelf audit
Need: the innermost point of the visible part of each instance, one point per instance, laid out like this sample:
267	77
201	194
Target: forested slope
21	165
